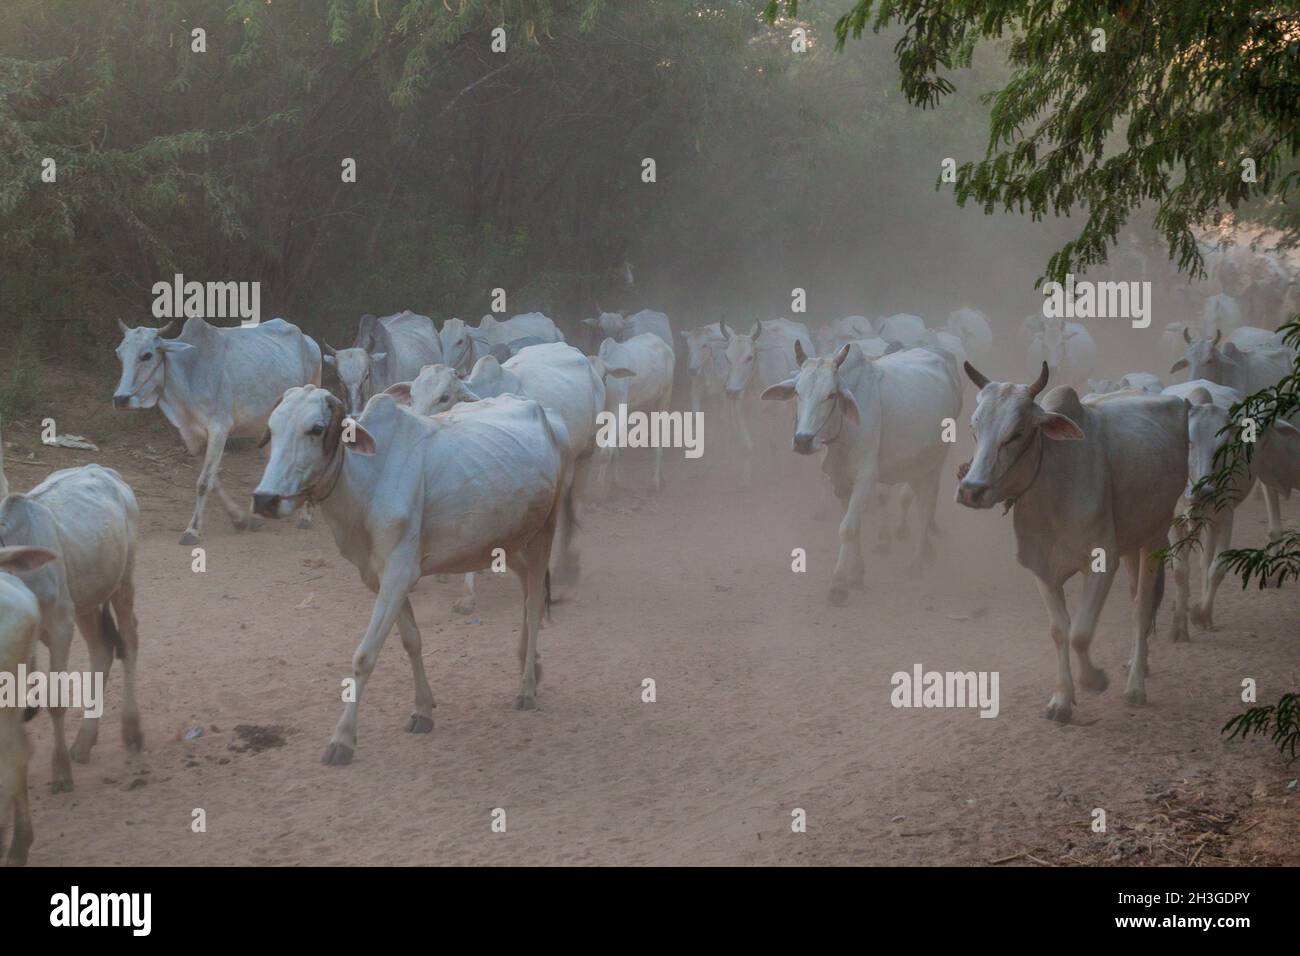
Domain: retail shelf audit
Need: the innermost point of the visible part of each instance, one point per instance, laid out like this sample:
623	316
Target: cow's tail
108	630
1160	588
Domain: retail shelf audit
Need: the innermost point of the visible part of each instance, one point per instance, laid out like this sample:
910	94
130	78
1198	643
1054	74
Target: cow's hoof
61	786
1203	618
132	735
837	597
337	755
1060	711
525	702
256	523
1137	696
462	606
1094	680
1178	632
419	724
80	750
189	537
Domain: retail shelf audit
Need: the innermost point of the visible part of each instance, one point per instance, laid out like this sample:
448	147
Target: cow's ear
467	395
173	345
1059	428
617	371
849	407
400	391
363	443
1178	366
378	356
19	558
780	392
328	359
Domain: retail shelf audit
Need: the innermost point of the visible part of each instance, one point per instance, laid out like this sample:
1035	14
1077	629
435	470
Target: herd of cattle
446	450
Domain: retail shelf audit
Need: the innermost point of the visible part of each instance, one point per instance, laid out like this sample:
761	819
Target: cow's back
916	390
96	516
775	351
655	323
410	342
561	377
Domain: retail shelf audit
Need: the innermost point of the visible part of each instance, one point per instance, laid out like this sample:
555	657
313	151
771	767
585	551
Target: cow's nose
971	493
120	401
803	443
266	505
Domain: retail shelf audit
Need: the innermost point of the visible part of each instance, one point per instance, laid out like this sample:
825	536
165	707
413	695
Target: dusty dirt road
767	700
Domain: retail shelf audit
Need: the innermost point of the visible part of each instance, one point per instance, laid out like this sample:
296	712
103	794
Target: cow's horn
1041	384
841	355
122	325
975	375
168	329
799	355
329	348
1186	336
1217	335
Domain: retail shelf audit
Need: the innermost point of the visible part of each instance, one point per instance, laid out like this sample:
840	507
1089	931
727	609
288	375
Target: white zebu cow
1247	371
411	496
1068	350
637	373
706	363
20	621
1139	381
1208	405
463	345
834	335
87	517
972	327
386	351
902	329
1250	337
613	325
879	421
945	342
1221	314
212	384
556	375
756	361
1105	473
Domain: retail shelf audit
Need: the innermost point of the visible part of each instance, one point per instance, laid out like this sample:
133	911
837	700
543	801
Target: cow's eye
445	396
317	429
145	356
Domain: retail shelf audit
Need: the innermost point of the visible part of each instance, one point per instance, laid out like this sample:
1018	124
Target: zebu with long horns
1090	483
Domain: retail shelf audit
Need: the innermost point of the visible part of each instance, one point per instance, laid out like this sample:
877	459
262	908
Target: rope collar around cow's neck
310	494
1010	501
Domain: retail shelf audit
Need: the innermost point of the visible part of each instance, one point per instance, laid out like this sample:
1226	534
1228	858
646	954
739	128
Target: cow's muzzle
972	494
121	401
803	444
268	506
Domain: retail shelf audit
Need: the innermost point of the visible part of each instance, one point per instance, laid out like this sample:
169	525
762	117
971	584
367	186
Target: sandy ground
767	700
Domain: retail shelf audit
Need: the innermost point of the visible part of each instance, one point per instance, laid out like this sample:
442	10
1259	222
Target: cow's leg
746	443
1274	508
658	481
926	492
59	639
13	787
468	599
123	602
905	496
400	573
1096	586
536	557
242	520
884	541
305	514
207	478
1214	570
1150	586
850	540
1061	706
421	721
1182	574
569	565
101	662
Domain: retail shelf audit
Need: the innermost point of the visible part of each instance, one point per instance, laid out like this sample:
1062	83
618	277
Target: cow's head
308	431
742	357
436	389
821	397
143	354
1202	358
1204	422
1008	424
705	350
355	368
457	345
1054	337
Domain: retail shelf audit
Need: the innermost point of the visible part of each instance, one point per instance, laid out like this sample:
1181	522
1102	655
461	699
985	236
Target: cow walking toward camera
408	496
1105	473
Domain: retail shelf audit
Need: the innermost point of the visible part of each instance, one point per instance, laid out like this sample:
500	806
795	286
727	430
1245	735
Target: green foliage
1281	721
